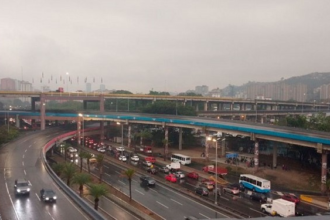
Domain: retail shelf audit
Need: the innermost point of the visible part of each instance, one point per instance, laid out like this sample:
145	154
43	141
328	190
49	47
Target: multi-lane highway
22	159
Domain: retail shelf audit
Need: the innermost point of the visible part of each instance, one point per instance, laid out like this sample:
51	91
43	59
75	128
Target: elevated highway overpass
200	103
306	138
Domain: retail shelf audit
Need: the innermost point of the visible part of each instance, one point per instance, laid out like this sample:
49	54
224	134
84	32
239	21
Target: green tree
82	155
100	162
129	173
81	179
158	93
122	92
64	147
144	135
88	156
68	172
169	108
96	191
58	168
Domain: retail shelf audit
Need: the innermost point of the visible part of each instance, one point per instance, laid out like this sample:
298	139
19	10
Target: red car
193	175
291	198
171	178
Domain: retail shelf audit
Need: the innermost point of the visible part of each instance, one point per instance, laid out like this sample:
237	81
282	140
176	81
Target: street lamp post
216	174
83	129
8	119
122	132
216	168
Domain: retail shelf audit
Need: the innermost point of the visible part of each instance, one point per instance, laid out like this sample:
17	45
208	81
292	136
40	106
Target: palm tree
144	135
81	179
69	170
100	161
129	175
82	155
165	143
97	190
58	168
88	156
64	146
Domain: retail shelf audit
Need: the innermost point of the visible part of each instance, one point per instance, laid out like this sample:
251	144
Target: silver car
22	187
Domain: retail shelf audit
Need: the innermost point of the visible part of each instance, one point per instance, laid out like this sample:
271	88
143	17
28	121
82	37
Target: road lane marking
51	216
106	166
107	174
134	181
4	175
23	156
224	198
121	182
153	190
176	202
25	172
38	197
139	192
162	204
118	172
256	210
23	163
204	216
26	149
30	146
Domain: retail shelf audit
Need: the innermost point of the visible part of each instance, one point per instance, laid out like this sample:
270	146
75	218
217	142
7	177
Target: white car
120	149
135	158
101	150
179	175
122	158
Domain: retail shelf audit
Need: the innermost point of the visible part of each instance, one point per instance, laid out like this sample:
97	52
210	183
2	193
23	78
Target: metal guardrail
89	210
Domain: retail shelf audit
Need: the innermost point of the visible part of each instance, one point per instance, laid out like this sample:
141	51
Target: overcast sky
171	45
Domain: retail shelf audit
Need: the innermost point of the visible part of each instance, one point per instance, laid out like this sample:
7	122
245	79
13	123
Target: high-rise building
202	89
8	84
102	88
88	87
325	92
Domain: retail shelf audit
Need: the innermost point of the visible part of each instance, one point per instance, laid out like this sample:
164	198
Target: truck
279	207
174	166
60	89
215	170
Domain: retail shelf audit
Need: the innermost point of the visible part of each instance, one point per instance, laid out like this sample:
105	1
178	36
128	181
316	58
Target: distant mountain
312	80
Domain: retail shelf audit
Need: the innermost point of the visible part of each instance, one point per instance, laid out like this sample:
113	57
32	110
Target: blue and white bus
254	183
182	159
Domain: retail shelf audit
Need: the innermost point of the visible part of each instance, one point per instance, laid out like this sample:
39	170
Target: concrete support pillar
33	102
256	155
274	156
79	131
102	130
85	104
101	103
42	112
219	106
262	119
196	107
242	107
180	138
166	143
207	146
231	106
205	106
223	147
324	171
129	140
17	121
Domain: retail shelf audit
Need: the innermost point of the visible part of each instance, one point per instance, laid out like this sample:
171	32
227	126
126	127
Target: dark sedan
202	191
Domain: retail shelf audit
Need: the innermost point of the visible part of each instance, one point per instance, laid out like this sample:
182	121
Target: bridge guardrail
94	214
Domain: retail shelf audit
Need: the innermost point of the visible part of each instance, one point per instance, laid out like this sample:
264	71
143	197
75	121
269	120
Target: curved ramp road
22	159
